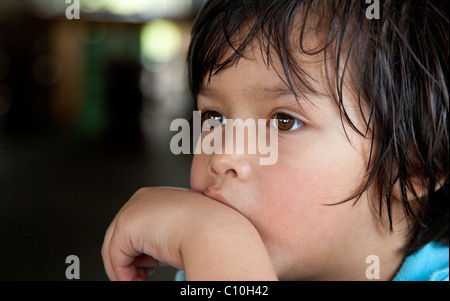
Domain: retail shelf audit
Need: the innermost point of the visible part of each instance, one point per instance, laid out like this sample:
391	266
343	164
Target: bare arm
188	231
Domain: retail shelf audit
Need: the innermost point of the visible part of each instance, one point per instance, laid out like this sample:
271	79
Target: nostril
224	171
234	167
232	173
212	171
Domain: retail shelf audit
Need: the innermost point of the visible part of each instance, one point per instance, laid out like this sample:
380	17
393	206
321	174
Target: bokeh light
160	40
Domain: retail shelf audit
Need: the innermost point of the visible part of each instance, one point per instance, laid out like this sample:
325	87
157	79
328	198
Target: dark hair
396	65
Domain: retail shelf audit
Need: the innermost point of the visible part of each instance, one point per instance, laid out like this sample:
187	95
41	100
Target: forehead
252	82
257	73
252	78
286	36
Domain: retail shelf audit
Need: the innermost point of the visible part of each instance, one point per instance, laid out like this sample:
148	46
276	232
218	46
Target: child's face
317	165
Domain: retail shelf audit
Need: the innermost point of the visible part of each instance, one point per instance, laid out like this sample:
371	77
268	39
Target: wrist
221	244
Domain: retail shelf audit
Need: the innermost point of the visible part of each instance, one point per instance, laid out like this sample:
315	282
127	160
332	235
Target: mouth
216	196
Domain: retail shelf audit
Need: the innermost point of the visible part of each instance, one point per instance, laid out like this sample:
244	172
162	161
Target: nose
234	166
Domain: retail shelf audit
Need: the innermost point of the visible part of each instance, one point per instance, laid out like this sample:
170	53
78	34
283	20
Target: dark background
85	109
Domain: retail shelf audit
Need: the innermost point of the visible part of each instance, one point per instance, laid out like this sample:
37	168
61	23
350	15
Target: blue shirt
427	264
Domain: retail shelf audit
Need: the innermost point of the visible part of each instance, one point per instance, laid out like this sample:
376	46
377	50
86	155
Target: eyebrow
277	91
265	92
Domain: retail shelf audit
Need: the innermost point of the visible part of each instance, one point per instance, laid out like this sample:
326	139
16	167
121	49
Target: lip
211	193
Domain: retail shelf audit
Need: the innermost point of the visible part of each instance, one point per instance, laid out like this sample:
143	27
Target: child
358	94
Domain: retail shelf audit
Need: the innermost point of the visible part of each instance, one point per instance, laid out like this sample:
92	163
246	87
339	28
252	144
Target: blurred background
85	109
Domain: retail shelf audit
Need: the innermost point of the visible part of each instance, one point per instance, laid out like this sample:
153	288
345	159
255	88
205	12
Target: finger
106	251
122	255
146	261
120	265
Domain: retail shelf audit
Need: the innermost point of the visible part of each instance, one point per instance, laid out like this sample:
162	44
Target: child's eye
285	122
213	118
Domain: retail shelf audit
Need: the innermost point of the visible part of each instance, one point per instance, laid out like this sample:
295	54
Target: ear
417	188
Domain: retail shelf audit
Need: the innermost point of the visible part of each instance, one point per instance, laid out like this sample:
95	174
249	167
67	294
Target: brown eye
212	117
285	122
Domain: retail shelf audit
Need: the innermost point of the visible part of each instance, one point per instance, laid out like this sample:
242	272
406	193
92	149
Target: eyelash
298	124
274	120
204	116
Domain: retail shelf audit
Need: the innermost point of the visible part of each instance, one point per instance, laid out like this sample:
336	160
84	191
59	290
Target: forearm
187	230
224	245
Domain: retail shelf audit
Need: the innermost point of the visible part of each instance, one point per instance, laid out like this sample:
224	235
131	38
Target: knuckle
104	252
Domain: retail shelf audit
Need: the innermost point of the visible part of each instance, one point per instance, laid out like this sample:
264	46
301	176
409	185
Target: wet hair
396	64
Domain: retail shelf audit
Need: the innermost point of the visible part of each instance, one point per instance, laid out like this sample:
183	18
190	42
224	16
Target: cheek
316	180
199	172
294	223
287	197
292	206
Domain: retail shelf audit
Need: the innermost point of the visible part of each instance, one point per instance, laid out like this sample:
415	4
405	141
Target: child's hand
187	230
